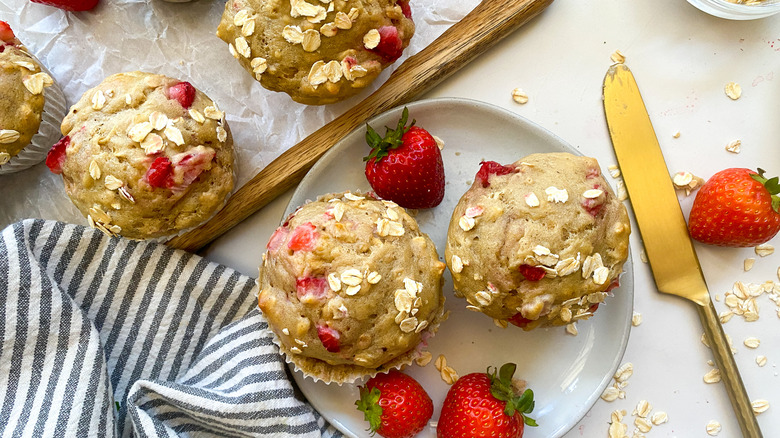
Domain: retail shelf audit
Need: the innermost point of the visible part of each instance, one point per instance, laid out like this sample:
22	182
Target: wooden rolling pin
488	23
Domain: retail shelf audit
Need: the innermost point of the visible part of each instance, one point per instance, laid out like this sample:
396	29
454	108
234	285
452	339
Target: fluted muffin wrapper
55	108
319	370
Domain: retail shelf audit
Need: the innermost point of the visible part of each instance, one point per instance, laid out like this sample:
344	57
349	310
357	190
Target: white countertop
682	59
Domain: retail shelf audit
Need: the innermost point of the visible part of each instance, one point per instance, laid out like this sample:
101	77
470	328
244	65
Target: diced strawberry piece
488	168
6	34
532	273
70	5
615	284
159	172
593	172
592	206
184	92
519	320
329	338
304	237
311	289
56	156
405	8
187	166
593	308
390	46
277	238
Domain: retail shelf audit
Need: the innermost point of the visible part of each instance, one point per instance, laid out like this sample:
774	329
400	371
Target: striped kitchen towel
110	337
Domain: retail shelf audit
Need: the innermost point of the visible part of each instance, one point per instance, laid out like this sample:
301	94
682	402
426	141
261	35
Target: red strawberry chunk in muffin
407	11
304	237
187	166
519	320
6	34
183	92
488	168
276	240
593	172
159	172
390	46
311	290
56	156
329	338
532	273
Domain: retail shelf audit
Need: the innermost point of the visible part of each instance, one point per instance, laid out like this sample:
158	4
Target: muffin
319	52
539	242
350	287
31	106
145	156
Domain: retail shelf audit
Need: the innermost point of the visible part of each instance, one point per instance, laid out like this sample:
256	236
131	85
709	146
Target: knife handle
489	22
729	372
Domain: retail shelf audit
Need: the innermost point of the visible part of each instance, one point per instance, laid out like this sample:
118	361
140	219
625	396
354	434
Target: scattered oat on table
636	319
617	57
686	181
713	428
676	134
752	342
733	90
519	96
734	147
760	360
760	406
764	250
748	263
713	376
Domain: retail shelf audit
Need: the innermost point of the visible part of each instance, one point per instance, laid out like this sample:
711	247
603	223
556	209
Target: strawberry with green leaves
405	166
395	405
486	405
736	207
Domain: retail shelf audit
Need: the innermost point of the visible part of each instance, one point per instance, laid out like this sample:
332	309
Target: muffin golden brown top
145	156
318	52
538	242
350	285
21	98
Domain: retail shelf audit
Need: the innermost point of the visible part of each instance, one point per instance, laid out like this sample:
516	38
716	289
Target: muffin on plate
539	242
350	287
145	156
318	52
31	106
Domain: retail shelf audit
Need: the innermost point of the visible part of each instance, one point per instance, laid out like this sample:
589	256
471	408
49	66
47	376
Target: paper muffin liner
55	108
319	370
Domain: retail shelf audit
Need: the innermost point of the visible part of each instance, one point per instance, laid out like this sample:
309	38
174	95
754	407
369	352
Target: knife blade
670	251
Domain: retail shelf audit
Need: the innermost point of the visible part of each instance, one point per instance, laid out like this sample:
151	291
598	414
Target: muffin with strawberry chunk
539	242
31	106
350	287
318	52
145	156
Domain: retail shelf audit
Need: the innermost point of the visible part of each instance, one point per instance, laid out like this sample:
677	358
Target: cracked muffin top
538	242
145	156
318	52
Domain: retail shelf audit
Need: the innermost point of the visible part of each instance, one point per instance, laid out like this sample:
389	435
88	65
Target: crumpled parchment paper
178	40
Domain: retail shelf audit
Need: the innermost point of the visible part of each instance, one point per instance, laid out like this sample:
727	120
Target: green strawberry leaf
772	185
369	405
380	146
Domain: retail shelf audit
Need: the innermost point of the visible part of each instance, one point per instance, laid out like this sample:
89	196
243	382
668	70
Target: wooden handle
487	24
729	373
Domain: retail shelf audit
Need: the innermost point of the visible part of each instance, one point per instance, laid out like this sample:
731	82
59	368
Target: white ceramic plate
567	373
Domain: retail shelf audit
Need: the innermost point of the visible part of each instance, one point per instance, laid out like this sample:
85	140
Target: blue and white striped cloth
107	337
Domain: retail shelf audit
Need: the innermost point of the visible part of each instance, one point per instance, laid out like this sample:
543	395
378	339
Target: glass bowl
737	11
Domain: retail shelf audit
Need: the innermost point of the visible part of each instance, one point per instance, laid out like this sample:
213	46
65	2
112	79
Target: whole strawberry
485	405
736	207
70	5
405	166
395	405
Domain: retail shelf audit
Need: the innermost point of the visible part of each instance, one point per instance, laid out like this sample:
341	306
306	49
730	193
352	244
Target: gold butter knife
661	223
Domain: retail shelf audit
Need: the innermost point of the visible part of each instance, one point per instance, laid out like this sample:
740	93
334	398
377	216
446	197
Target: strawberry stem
369	406
501	389
380	146
772	185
